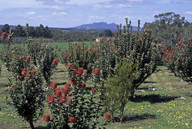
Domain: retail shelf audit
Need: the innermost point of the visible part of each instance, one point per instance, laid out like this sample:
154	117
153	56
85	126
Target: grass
169	106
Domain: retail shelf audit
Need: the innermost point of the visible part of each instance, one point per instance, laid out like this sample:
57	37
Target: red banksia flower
72	119
65	90
46	118
62	99
3	35
67	85
21	78
96	71
80	70
69	101
74	71
178	38
58	93
54	62
27	58
93	89
74	82
83	85
69	65
24	71
53	85
107	115
57	59
34	72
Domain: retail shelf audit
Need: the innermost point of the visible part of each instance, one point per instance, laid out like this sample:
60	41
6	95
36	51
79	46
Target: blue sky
70	13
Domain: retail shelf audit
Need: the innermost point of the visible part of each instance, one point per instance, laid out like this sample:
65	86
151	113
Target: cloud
124	6
59	13
189	12
135	0
86	2
95	18
30	13
8	4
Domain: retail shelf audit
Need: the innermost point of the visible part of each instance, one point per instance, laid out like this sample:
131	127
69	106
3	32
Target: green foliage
59	35
79	102
43	56
27	96
178	59
130	46
80	55
119	86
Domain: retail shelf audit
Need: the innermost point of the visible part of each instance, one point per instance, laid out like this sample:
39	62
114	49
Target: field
168	105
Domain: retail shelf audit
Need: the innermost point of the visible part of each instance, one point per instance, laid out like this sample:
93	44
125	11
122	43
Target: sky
71	13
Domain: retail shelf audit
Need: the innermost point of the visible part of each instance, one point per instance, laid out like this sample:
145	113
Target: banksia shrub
178	59
42	55
130	46
75	106
27	96
80	55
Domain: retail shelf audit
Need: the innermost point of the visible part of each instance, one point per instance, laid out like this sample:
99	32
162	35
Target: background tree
168	26
19	31
6	28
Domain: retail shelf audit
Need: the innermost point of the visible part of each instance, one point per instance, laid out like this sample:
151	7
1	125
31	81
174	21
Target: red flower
24	71
57	88
51	99
83	85
29	73
178	38
65	90
80	70
69	65
74	71
57	59
74	82
54	62
27	58
12	85
67	85
58	93
46	118
3	35
21	78
72	119
62	99
107	115
34	72
191	38
93	89
96	71
53	85
69	101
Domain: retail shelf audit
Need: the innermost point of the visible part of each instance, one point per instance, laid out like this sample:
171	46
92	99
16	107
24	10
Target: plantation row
116	69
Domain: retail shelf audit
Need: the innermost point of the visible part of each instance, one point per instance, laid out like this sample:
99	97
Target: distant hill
96	26
99	26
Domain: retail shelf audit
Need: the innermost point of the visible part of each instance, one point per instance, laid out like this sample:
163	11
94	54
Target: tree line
34	32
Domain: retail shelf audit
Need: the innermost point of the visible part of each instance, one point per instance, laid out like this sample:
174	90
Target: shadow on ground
41	127
152	98
135	118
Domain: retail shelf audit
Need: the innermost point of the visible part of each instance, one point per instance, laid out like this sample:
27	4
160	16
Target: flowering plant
75	106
